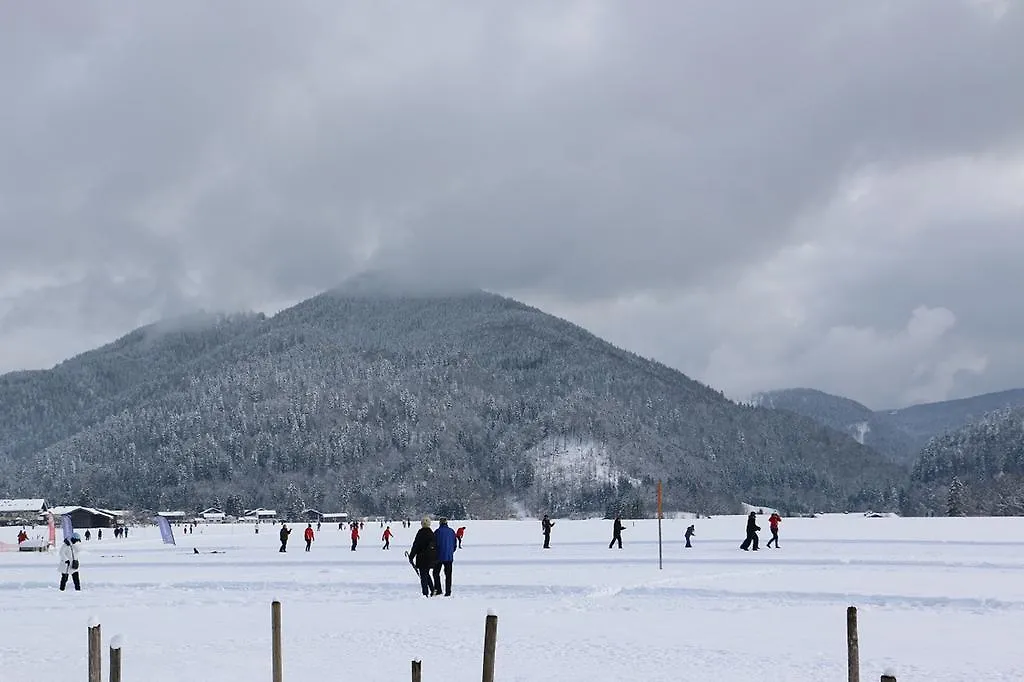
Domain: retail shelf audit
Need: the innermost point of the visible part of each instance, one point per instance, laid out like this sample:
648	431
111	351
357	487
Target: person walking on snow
423	556
616	532
355	536
459	533
308	535
285	532
752	529
386	537
773	523
689	534
445	540
546	524
69	562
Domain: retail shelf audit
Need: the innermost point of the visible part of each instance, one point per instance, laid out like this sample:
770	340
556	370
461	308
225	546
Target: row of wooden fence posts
490	646
96	655
853	648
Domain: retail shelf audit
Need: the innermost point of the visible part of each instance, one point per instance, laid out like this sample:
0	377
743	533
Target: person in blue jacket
444	538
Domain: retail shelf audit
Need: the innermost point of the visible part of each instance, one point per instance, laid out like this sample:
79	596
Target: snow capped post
95	655
852	645
888	678
115	659
275	636
490	642
659	525
417	675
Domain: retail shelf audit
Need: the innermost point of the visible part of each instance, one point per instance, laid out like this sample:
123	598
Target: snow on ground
940	600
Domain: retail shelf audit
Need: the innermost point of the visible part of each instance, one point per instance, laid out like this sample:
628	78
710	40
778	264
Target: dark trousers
547	540
447	565
387	543
688	542
751	538
775	538
74	578
308	544
284	546
617	537
459	540
426	584
354	543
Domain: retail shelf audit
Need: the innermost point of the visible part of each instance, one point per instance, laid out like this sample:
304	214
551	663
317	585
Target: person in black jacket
285	532
616	532
752	529
545	525
423	556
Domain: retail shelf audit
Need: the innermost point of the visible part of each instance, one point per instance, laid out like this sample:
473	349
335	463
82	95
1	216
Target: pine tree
955	501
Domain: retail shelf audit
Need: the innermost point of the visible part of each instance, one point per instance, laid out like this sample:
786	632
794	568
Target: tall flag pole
659	525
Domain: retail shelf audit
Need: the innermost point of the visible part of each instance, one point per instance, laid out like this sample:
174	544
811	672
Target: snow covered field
940	599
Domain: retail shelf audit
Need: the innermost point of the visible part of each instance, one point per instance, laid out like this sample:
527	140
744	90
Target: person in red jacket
386	537
308	535
355	536
458	535
773	523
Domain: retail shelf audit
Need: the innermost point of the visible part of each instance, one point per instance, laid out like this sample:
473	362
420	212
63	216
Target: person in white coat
69	562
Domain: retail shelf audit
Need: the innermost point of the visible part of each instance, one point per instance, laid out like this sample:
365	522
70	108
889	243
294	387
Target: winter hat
425	522
75	537
443	521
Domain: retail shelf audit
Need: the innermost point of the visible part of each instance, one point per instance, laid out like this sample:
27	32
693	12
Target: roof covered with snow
23	505
67	509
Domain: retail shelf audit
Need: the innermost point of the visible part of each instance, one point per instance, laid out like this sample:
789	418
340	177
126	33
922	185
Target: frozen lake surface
939	599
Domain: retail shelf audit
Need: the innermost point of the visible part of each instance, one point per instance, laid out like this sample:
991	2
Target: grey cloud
234	154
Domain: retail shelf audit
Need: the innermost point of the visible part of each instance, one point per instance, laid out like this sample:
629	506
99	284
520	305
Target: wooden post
115	659
659	526
275	636
490	641
416	673
852	645
95	652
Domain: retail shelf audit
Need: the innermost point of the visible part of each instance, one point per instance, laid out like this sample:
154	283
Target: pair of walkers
773	523
433	551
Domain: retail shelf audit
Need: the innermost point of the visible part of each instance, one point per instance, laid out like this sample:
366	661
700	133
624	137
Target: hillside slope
376	401
877	430
978	469
898	434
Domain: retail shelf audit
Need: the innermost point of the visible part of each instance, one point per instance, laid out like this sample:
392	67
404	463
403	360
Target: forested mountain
372	400
978	469
898	434
877	430
924	422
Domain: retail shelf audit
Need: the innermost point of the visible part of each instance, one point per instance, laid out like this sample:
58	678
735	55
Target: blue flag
165	530
65	526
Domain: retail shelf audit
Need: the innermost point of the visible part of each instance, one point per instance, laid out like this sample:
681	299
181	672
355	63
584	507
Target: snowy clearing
939	599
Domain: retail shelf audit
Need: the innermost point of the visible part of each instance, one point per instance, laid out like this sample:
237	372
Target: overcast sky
761	194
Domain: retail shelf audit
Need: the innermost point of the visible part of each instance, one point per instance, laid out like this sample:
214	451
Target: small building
84	517
212	515
312	515
174	516
22	512
334	517
261	514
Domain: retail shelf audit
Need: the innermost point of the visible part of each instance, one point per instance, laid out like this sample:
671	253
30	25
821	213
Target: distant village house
23	512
